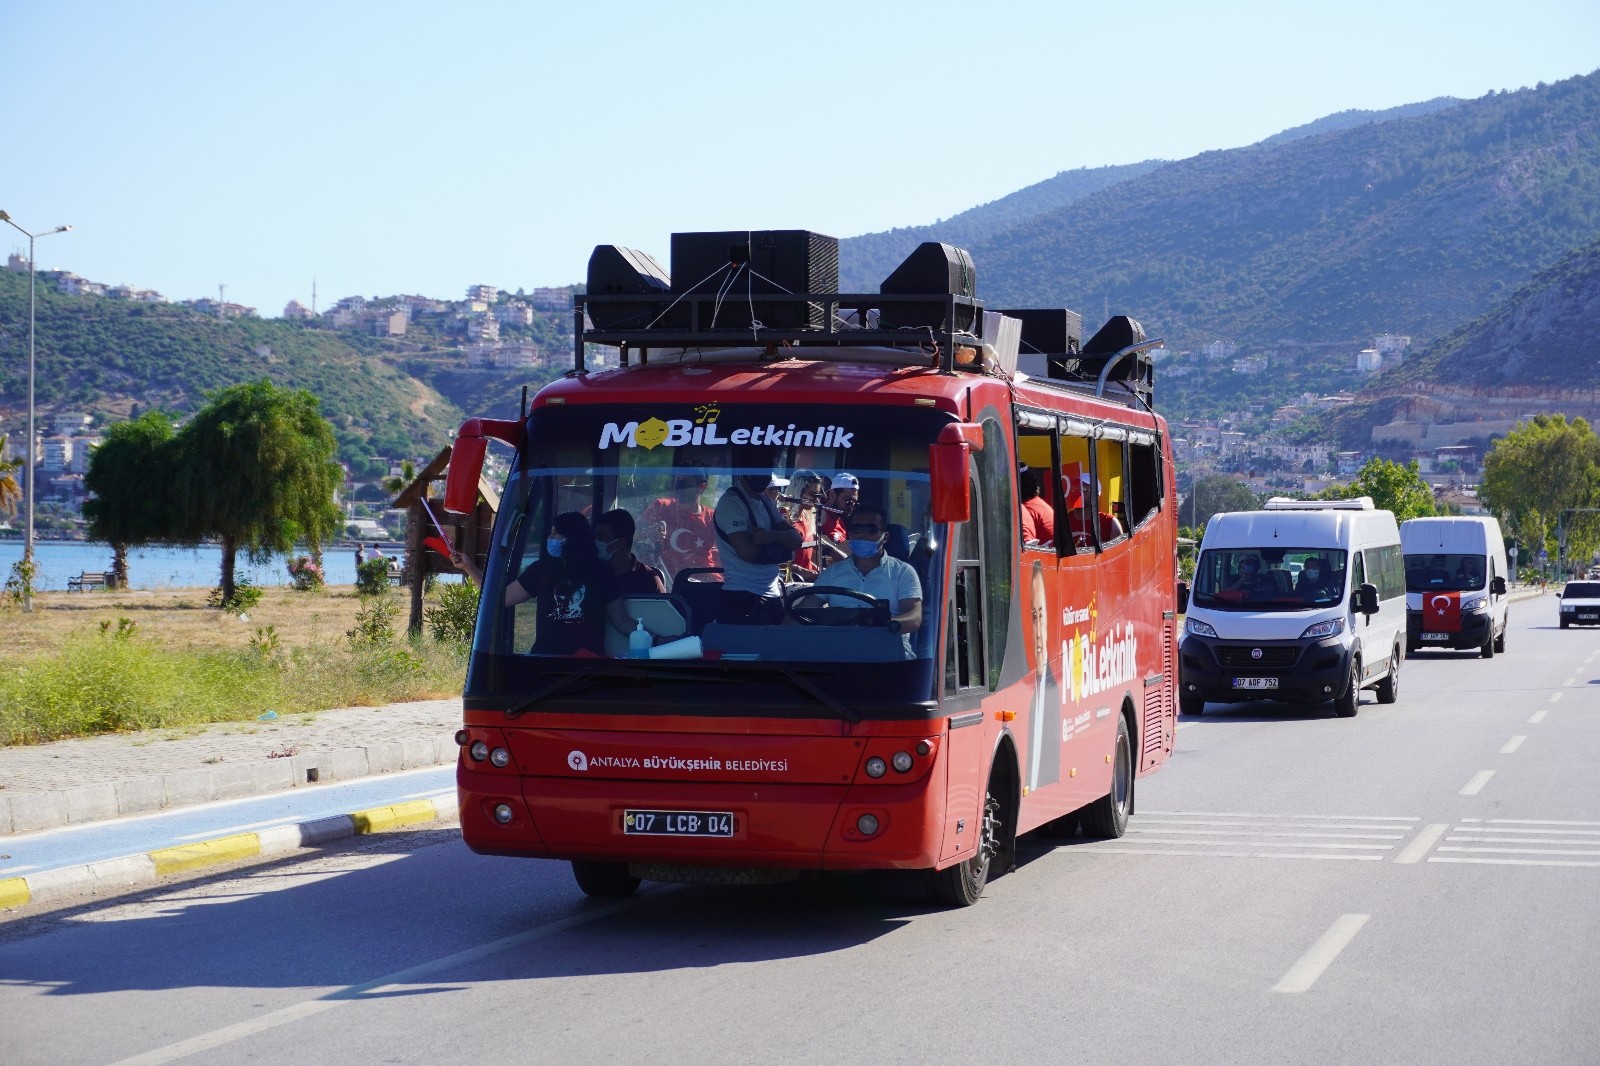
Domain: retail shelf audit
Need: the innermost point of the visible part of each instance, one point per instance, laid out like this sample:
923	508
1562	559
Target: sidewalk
93	778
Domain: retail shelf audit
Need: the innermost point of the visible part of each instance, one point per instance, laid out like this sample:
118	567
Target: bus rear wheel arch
962	884
1107	817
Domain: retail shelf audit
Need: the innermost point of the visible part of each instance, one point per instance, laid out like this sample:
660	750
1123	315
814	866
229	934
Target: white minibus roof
1284	503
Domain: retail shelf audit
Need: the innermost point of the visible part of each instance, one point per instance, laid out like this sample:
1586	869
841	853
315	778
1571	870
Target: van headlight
1198	628
1477	603
1331	628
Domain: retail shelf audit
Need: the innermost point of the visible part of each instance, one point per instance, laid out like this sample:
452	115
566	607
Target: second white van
1455	583
1257	629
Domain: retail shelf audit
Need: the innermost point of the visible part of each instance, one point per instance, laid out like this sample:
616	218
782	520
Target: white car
1580	604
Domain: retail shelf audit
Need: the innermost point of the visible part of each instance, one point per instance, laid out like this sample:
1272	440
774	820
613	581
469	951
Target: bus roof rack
1284	503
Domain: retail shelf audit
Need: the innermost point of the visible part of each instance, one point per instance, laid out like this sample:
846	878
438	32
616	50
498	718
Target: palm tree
10	491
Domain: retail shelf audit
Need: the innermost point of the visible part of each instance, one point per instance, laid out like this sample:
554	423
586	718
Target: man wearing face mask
754	540
1315	581
871	571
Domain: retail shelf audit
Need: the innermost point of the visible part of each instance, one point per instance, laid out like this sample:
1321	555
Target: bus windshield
1444	573
1274	579
683	481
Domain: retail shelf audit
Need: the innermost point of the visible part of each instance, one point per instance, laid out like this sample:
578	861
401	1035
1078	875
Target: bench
87	581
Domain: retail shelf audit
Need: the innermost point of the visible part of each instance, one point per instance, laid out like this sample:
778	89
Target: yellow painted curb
389	817
205	853
14	892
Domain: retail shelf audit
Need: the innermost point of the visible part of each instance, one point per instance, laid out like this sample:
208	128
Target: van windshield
1274	579
1437	572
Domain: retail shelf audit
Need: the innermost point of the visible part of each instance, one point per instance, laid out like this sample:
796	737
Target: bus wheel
1345	706
1389	687
604	878
1107	817
961	885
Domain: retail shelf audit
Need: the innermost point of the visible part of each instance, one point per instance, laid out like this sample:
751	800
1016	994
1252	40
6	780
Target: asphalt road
1420	884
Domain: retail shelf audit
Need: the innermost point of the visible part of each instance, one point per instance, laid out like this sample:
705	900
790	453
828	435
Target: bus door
1039	462
966	672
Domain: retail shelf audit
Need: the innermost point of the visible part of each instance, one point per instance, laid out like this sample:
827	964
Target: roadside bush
305	574
374	622
372	578
452	620
245	596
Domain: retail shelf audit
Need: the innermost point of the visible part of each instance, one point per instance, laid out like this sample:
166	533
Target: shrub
453	619
245	596
374	622
305	574
372	578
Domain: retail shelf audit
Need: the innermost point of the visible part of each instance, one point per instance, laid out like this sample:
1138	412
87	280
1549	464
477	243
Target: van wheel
604	878
1563	623
961	885
1500	641
1346	704
1107	817
1389	687
1487	651
1191	706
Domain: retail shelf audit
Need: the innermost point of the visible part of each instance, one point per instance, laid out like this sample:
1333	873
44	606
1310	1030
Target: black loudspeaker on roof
744	263
931	267
618	271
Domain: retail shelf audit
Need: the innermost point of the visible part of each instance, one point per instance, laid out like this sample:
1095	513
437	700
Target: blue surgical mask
1313	573
864	549
602	548
553	545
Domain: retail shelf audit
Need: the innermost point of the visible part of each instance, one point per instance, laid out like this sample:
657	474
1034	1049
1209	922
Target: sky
381	148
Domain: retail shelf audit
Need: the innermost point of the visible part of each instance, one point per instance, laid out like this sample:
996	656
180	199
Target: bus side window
964	644
1144	483
1074	479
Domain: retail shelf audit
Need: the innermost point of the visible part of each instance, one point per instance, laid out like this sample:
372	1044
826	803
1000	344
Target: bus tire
962	884
1191	706
1349	701
604	878
1107	817
1389	687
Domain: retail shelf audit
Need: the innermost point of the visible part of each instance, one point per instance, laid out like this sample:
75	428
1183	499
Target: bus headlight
901	762
499	757
876	767
479	751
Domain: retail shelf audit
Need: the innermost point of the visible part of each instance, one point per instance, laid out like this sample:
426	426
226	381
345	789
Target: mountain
1411	226
1537	351
1343	120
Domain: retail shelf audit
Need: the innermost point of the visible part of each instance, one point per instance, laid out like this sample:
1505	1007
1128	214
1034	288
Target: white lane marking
1556	696
1306	817
1314	963
1533	821
1513	744
1538	716
1143	821
1569	682
354	993
1479	779
1265	844
1096	849
1267	831
428	795
1524	851
1426	838
1525	832
6	870
1515	862
235	829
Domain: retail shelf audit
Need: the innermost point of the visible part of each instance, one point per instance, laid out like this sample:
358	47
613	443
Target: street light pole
27	545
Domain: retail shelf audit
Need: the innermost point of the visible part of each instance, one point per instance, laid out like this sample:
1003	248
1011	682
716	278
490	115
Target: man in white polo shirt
871	571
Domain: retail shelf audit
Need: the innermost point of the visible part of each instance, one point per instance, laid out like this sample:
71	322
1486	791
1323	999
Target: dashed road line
1475	786
1555	697
1314	963
1538	716
1424	840
1512	745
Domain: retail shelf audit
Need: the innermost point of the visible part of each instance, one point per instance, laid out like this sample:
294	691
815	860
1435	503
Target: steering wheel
835	616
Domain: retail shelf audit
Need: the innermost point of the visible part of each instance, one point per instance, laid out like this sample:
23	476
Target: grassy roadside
98	662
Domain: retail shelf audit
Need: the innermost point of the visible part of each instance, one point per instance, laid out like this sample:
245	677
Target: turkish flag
1441	612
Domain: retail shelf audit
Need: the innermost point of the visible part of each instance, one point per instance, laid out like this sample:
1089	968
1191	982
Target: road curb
113	876
30	812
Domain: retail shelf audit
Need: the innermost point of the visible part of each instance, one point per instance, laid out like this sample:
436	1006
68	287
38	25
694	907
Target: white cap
776	482
845	481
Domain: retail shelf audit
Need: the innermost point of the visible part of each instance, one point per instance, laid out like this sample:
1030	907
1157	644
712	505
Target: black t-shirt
570	600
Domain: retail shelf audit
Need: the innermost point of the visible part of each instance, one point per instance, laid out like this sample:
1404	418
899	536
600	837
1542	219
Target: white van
1255	632
1455	584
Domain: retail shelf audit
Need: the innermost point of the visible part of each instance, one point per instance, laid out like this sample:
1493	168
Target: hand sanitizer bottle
639	642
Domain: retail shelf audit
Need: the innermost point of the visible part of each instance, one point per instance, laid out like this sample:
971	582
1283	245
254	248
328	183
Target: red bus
984	687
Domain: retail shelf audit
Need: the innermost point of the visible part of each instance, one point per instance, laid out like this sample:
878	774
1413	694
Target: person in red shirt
1038	517
810	493
683	527
833	526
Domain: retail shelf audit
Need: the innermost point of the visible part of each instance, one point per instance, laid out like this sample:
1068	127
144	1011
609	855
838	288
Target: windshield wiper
800	684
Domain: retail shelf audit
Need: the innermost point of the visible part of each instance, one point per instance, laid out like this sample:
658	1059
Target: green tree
1393	487
1212	495
1540	469
129	482
256	471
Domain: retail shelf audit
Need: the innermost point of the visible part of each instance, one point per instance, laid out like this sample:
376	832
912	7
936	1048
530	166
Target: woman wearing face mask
572	588
871	571
1314	580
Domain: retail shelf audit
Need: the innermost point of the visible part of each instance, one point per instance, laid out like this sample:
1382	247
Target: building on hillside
1369	361
73	285
1347	464
1217	351
82	449
297	311
482	327
17	263
484	294
384	323
1392	347
513	313
128	292
424	305
57	454
219	308
1250	364
68	423
1447	498
546	299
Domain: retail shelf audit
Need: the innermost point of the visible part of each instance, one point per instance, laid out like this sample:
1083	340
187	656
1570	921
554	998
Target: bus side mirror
1498	586
950	490
1367	599
1183	597
466	459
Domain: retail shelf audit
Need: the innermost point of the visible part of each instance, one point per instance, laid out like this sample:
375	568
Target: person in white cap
833	528
755	541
